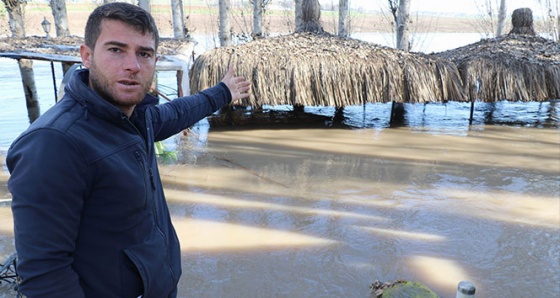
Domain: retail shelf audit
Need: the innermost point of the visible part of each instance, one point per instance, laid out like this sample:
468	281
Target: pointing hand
238	86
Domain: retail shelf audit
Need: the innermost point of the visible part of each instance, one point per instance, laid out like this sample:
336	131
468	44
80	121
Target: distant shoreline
203	20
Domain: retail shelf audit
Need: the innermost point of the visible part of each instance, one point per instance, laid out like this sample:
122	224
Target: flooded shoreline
325	212
360	205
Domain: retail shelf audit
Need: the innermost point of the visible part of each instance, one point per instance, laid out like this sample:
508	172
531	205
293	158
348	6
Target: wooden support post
298	108
391	115
30	89
472	113
180	83
154	88
397	114
54	82
338	115
66	66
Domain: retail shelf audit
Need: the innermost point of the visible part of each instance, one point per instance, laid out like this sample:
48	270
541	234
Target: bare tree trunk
311	17
257	18
225	31
28	81
60	15
553	7
299	15
558	26
343	24
178	21
15	10
393	7
522	21
501	18
403	39
145	4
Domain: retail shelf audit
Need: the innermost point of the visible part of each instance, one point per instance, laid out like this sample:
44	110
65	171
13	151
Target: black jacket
90	217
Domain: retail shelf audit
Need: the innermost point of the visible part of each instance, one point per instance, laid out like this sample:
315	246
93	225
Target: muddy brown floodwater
325	212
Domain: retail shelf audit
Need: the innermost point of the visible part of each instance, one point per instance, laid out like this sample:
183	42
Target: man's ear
86	53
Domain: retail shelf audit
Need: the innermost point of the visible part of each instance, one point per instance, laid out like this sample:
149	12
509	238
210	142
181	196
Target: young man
89	211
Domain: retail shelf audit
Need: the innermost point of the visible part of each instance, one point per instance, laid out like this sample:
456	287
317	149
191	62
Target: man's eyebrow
116	43
124	45
147	49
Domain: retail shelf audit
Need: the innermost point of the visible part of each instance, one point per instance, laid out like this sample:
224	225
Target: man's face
121	65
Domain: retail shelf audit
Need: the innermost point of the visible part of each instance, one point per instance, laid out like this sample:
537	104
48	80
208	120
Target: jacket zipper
143	166
153	184
150	172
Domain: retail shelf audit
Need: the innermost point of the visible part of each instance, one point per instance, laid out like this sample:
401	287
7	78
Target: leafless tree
343	18
502	15
178	19
298	14
224	28
16	9
486	22
257	17
401	17
310	14
60	16
553	17
403	33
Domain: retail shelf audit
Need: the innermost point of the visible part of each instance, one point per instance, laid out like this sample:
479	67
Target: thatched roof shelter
518	67
512	67
324	70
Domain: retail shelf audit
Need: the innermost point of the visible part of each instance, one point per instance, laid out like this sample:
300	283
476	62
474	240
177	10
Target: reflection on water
452	115
324	212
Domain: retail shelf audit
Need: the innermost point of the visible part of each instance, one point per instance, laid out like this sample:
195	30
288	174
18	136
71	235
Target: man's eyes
145	54
141	54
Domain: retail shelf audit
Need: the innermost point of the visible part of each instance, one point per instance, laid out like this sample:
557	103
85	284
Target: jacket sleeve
47	186
172	117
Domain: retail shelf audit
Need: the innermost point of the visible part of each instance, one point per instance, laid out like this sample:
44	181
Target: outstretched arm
181	113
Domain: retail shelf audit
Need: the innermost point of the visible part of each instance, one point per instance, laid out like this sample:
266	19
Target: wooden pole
397	114
472	113
54	82
180	92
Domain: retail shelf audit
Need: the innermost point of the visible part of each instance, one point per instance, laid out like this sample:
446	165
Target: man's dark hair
130	14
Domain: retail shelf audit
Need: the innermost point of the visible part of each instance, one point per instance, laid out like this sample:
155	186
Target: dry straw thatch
324	70
518	67
513	67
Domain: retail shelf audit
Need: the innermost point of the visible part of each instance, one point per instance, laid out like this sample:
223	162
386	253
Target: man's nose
131	63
